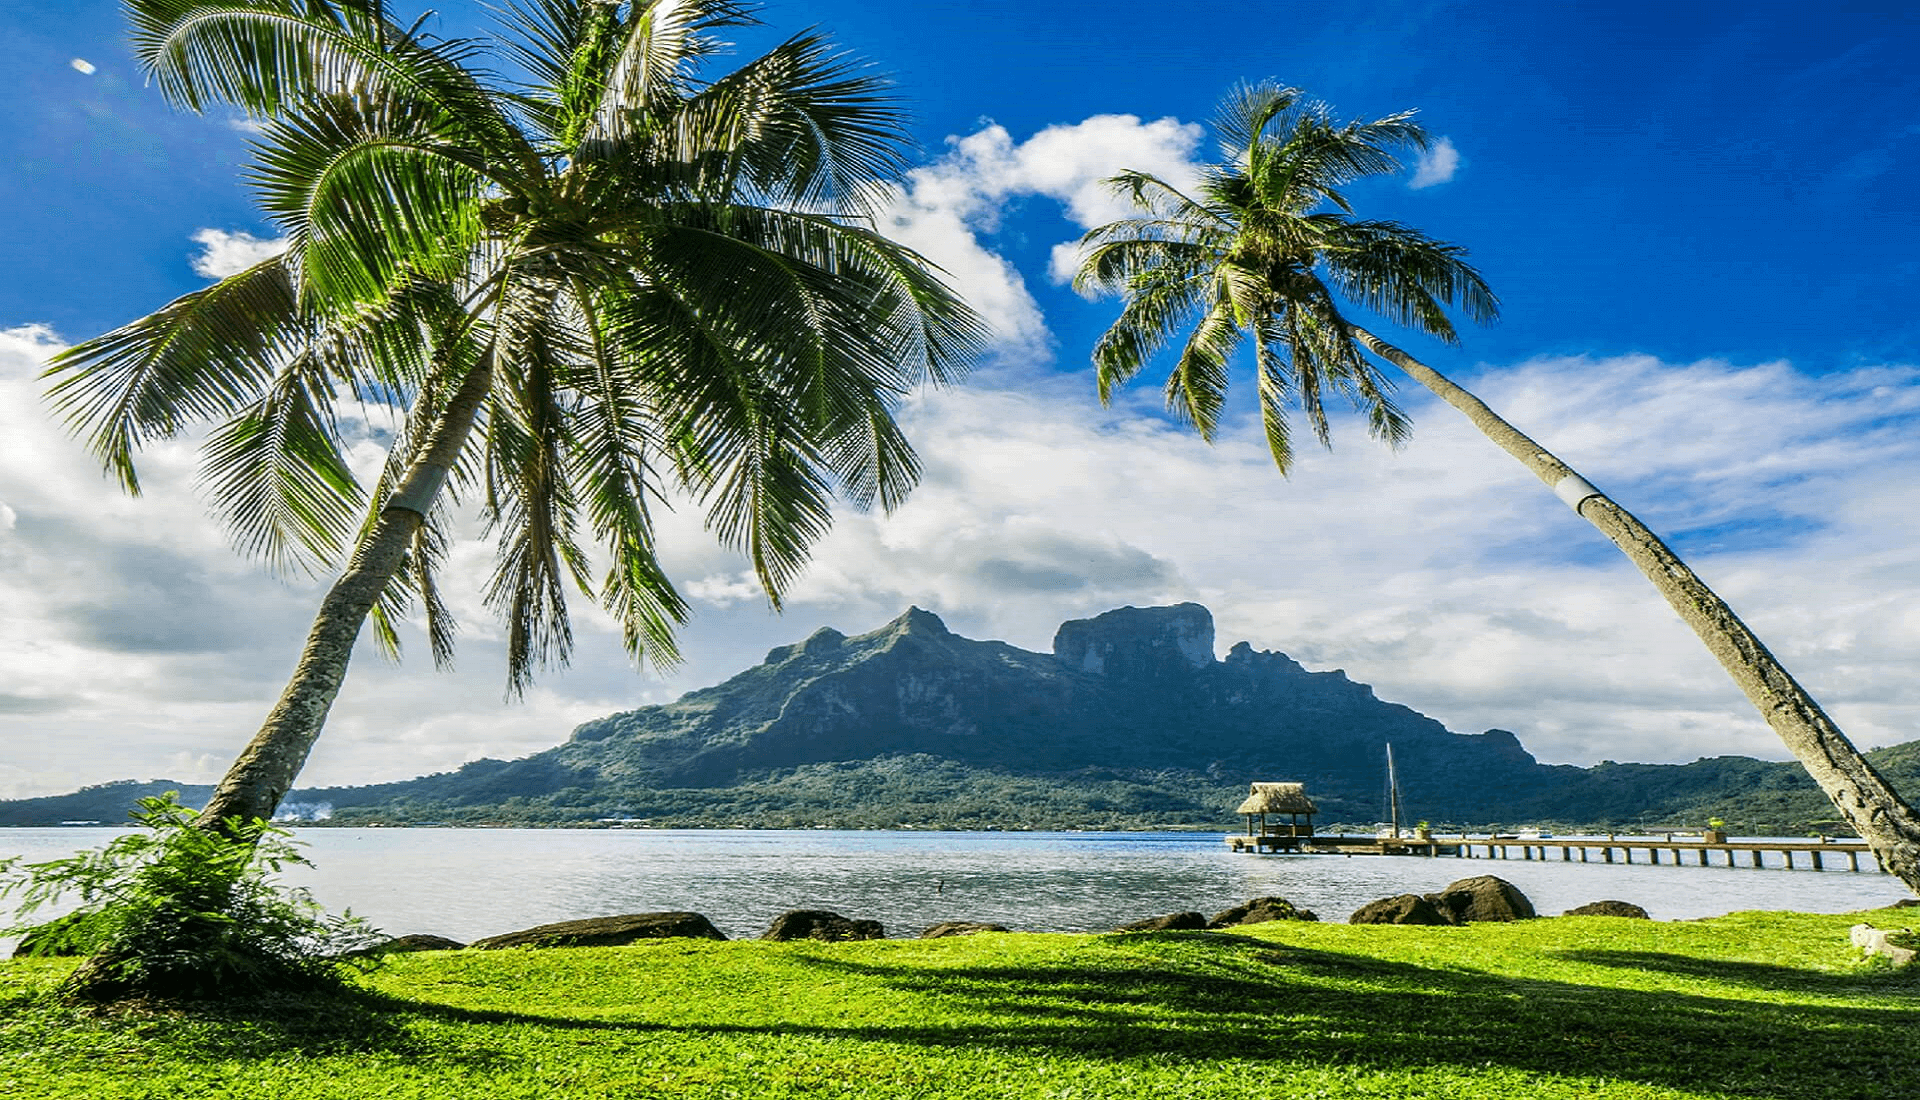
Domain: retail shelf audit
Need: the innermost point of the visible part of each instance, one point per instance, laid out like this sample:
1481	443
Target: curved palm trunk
1863	797
265	771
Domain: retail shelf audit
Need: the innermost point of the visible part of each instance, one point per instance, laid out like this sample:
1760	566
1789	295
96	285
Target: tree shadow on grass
1750	974
1243	998
1209	999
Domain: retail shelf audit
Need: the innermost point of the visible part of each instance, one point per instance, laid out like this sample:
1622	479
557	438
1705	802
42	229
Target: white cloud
226	253
82	65
1436	165
946	205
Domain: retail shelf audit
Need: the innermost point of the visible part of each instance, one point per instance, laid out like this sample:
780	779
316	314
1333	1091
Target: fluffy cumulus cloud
224	253
946	207
137	644
1436	165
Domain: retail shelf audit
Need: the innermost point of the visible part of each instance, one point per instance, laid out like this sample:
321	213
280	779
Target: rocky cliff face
1138	643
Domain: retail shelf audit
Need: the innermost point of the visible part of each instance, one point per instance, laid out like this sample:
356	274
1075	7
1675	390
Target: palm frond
1245	113
269	56
1408	277
1274	376
800	125
1197	387
660	45
202	356
372	197
1160	301
531	514
276	477
416	579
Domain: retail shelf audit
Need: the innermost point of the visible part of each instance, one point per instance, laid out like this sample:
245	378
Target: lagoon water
469	883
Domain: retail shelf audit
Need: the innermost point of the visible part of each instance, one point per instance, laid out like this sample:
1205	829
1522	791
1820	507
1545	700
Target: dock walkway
1816	852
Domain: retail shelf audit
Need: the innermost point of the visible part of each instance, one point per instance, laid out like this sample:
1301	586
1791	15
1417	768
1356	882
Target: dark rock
1906	903
955	928
1482	898
1260	911
1172	922
1402	909
419	941
1609	909
608	931
820	924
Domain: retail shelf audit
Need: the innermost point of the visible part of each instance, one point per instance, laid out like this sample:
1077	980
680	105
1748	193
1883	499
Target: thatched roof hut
1278	798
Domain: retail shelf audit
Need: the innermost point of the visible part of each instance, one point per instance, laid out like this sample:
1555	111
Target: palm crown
604	280
1264	254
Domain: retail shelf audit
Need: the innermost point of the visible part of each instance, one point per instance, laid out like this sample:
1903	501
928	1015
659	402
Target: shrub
175	911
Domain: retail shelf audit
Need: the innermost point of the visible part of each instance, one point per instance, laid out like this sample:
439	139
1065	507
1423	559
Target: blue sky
1702	219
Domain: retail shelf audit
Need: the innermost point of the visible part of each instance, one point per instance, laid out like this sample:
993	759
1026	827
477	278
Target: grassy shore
1748	1005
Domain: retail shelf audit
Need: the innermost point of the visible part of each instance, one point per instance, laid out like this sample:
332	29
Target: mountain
1129	721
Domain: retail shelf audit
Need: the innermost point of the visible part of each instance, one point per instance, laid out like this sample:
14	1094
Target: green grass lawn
1752	1004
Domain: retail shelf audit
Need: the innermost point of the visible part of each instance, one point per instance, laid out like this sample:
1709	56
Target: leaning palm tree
1269	253
575	291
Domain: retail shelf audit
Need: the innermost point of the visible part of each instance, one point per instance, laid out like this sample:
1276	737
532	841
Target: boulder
1172	922
607	931
1402	909
1882	941
820	924
419	941
1906	903
1482	898
1608	909
957	928
1260	911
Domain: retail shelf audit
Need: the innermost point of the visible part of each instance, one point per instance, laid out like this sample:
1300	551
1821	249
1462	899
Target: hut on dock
1280	798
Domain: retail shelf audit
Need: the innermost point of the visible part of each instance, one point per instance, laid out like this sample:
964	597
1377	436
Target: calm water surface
468	883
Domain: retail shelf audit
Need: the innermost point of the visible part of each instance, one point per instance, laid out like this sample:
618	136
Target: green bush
178	912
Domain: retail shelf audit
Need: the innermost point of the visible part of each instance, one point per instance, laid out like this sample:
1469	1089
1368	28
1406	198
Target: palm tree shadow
1752	974
1240	999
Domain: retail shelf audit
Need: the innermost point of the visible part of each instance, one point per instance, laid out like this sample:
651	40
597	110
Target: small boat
1533	832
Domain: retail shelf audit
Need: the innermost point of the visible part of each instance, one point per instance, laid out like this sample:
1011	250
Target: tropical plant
175	911
1267	251
607	279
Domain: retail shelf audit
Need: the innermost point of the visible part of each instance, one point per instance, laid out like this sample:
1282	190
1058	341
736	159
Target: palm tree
1267	252
605	280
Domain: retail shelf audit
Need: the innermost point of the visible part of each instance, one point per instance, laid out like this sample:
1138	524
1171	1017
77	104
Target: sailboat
1393	798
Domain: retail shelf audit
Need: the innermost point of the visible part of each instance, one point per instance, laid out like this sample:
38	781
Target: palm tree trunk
1864	798
265	771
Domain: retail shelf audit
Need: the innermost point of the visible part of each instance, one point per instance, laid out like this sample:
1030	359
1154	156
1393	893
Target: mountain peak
1138	642
915	620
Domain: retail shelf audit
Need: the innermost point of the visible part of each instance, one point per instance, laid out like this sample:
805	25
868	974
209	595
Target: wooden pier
1609	849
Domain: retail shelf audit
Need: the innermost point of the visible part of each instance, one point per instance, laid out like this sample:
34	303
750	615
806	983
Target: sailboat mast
1393	792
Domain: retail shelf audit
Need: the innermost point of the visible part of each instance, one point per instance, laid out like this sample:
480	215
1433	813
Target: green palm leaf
202	356
1267	250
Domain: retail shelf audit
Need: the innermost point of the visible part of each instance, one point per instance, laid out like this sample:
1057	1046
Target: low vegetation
172	910
1754	797
1747	1005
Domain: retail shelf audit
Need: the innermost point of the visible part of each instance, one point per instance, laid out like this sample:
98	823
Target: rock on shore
608	931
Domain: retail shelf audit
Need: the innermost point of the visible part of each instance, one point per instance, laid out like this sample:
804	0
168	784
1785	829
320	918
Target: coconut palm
606	279
1268	252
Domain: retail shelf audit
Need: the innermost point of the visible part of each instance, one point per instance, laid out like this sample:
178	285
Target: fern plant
175	912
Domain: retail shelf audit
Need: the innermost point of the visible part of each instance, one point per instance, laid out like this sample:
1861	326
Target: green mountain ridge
1130	722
